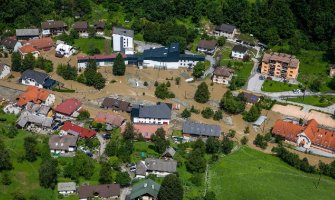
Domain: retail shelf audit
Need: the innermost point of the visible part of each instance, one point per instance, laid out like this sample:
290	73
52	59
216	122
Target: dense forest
308	24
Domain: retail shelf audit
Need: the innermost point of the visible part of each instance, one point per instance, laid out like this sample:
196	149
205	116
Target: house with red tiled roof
109	119
28	49
76	130
147	130
37	96
68	109
309	136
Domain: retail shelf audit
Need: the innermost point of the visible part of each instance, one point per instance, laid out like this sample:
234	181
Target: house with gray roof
123	40
66	188
27	118
154	114
169	152
239	51
52	27
225	30
38	79
62	144
146	189
28	33
195	129
158	167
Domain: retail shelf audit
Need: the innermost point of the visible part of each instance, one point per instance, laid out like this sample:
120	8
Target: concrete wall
151	121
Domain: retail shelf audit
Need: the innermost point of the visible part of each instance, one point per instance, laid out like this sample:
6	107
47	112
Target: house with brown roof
116	104
42	43
280	65
251	98
99	28
37	96
225	30
222	75
239	52
52	27
62	144
10	44
207	46
332	70
105	191
110	120
81	27
26	49
310	136
68	109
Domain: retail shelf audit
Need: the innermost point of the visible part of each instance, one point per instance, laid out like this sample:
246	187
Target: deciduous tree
171	188
202	94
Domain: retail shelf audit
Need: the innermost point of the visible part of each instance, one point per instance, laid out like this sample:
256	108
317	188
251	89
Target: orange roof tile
42	43
32	94
287	129
27	49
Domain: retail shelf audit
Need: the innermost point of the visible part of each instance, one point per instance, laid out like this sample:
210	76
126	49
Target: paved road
124	192
102	144
210	69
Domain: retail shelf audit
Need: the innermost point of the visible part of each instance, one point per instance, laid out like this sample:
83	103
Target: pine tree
202	94
5	162
16	62
171	188
119	67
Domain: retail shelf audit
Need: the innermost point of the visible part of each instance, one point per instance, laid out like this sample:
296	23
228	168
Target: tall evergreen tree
119	67
16	62
48	173
171	188
5	162
28	62
202	94
106	173
30	148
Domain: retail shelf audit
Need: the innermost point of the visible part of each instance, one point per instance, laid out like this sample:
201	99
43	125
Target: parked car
89	154
130	165
261	77
107	136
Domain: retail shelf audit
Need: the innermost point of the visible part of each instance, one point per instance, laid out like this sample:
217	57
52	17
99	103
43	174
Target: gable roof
207	44
228	28
145	187
169	152
68	107
159	111
32	94
147	130
223	71
78	130
104	118
66	186
57	142
39	77
27	32
116	103
99	25
200	129
103	191
154	164
42	43
2	66
27	49
123	31
80	25
39	120
53	24
9	42
240	48
167	54
291	60
251	98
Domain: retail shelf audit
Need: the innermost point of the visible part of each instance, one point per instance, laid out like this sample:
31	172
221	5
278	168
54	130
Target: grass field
320	101
276	86
85	44
250	174
24	176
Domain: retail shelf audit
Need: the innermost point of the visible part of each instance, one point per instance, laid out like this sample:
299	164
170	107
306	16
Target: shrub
177	81
83	115
260	141
145	84
186	113
207	113
217	115
244	140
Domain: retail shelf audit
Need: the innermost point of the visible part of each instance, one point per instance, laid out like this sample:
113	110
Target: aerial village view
167	100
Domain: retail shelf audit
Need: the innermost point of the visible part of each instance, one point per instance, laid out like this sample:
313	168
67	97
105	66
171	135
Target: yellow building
280	65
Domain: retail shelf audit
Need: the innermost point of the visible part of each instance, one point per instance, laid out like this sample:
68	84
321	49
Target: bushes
260	141
207	113
163	92
293	160
63	90
217	115
202	94
83	115
186	113
253	114
67	72
231	104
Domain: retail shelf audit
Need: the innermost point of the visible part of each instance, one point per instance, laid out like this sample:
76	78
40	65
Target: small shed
261	119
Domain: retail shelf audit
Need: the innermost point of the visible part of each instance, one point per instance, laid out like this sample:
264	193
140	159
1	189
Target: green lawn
85	44
250	174
276	86
320	101
143	149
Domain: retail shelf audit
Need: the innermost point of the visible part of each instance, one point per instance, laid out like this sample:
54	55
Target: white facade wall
236	54
123	42
50	100
67	192
224	34
221	80
116	42
158	174
4	72
31	82
169	65
151	120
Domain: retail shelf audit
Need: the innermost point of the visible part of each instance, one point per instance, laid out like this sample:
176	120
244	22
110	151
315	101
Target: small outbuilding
66	188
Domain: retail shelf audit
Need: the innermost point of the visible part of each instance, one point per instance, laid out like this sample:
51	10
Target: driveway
124	192
103	144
